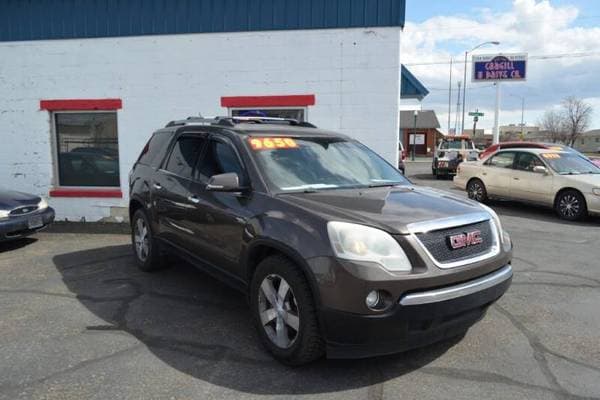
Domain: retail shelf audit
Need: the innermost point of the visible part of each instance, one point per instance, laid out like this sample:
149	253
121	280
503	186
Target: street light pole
495	43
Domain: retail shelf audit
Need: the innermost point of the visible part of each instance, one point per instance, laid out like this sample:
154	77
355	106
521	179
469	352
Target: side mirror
540	170
229	182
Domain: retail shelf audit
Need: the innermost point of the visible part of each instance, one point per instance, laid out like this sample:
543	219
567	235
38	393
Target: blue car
22	214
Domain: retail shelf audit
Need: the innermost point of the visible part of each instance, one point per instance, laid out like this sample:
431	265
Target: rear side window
154	151
502	160
184	155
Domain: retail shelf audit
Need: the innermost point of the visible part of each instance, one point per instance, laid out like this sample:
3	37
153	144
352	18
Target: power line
536	57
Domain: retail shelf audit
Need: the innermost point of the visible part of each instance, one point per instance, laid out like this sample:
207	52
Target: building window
87	149
298	114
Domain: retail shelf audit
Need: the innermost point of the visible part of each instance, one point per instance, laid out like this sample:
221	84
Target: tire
146	249
476	190
570	205
289	328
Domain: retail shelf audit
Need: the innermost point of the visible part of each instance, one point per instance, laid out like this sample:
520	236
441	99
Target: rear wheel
570	205
146	250
476	191
284	312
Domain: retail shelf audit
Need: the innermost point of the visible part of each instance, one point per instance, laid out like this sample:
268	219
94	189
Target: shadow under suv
338	253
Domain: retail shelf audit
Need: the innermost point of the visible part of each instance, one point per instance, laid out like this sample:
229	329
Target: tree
576	116
553	122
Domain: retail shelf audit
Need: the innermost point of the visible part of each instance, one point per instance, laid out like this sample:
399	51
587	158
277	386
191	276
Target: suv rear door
218	219
170	190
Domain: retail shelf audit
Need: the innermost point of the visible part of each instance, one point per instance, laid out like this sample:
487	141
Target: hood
10	199
389	208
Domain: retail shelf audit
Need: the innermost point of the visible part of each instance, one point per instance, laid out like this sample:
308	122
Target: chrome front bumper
463	289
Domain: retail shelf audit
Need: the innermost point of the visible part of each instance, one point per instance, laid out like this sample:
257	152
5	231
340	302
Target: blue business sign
500	67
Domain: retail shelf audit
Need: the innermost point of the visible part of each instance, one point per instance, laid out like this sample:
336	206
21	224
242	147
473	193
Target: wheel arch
569	189
260	249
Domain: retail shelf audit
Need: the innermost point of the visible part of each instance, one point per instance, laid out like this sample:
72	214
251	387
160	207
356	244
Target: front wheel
284	312
570	205
476	191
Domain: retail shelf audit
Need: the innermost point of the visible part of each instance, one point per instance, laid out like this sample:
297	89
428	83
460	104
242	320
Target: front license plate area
35	222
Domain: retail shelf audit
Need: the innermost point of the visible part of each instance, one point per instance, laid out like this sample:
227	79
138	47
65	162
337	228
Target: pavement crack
539	352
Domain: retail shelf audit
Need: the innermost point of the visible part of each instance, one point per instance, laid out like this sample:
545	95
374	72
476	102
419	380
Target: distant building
515	132
424	136
589	142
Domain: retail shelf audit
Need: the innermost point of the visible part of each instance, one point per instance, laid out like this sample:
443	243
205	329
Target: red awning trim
301	100
78	192
81	104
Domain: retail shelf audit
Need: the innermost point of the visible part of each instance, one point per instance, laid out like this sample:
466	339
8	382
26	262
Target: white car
565	181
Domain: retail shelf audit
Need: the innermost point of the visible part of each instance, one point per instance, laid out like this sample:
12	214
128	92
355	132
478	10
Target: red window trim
81	104
298	100
78	192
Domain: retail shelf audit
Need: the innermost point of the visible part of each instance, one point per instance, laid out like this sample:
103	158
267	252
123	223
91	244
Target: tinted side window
155	149
219	158
527	161
184	155
502	160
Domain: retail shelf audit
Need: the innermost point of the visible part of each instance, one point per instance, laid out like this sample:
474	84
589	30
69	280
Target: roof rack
233	121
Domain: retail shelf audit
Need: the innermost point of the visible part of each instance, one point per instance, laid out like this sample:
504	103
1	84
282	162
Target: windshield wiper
388	184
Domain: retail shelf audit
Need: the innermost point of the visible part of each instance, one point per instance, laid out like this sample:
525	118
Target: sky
561	37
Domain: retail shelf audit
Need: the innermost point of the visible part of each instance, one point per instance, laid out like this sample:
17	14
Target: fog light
372	299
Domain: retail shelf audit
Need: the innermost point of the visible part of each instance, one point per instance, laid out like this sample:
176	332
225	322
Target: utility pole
450	97
457	120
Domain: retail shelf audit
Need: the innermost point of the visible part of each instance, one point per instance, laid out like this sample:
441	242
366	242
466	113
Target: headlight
596	191
362	243
4	214
504	236
43	204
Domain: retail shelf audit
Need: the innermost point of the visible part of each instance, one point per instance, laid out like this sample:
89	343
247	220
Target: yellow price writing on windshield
551	156
269	143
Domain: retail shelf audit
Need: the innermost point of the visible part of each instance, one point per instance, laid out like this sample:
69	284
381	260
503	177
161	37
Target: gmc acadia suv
338	253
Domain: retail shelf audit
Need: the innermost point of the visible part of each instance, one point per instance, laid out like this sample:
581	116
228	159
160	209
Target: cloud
535	27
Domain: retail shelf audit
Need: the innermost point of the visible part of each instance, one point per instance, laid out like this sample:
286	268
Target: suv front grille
438	244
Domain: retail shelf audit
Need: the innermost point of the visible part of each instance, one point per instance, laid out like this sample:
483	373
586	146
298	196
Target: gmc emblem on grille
465	240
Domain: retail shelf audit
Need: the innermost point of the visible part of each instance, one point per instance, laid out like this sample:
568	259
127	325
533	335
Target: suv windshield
570	164
308	164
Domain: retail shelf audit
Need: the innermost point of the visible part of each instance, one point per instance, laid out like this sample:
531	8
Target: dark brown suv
338	253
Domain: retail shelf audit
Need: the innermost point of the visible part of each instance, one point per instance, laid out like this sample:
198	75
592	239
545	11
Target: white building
83	88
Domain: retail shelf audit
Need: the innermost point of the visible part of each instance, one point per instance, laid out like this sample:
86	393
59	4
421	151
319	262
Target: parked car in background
401	158
534	145
338	253
446	157
22	214
559	179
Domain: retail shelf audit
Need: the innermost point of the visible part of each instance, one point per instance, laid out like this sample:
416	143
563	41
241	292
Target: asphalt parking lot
79	321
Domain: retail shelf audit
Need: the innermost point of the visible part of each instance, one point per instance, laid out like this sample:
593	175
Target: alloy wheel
569	205
476	191
140	237
278	311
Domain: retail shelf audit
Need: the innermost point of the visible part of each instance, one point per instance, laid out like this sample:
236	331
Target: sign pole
496	139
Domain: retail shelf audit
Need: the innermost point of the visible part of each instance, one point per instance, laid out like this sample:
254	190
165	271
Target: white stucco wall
354	74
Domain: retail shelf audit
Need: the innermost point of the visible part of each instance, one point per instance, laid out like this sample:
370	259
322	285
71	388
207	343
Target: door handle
484	173
157	186
516	179
194	199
